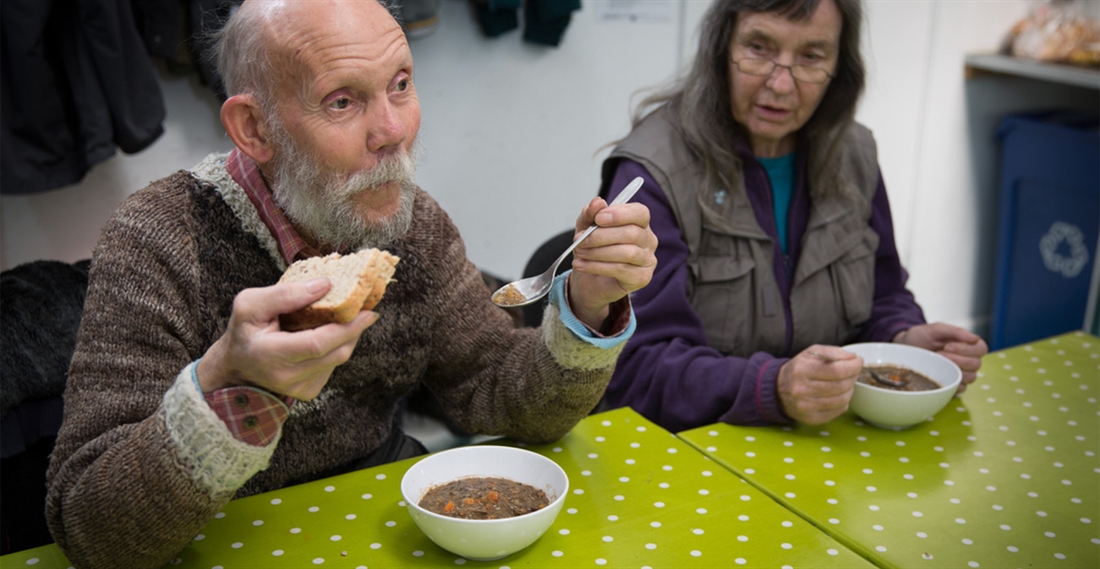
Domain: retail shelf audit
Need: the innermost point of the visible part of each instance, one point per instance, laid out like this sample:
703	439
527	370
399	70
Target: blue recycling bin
1049	222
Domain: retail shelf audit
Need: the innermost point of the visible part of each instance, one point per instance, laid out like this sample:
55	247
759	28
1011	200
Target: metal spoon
874	374
527	291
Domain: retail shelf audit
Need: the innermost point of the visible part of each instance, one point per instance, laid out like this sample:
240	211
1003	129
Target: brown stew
915	381
484	498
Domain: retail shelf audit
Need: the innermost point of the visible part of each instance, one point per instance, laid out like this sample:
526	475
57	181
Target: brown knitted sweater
142	464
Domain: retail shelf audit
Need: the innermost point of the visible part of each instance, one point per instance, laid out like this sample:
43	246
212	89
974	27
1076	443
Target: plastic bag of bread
358	282
1057	32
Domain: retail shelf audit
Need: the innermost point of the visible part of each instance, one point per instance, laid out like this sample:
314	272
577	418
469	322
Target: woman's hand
815	391
956	344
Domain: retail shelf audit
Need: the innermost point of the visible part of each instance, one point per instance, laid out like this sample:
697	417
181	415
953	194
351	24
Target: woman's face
775	106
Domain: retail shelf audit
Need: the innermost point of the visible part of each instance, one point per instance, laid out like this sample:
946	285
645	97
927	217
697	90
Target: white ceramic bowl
484	540
896	410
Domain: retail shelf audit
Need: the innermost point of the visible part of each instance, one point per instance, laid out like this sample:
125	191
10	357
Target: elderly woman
774	227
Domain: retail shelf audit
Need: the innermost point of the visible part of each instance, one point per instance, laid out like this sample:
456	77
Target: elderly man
185	393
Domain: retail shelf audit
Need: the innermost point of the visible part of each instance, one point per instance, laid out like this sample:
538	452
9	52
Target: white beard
321	204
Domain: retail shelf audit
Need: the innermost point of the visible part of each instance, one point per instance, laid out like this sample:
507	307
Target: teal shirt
781	175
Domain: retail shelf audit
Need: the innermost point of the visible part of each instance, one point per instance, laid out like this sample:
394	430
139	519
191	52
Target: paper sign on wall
649	11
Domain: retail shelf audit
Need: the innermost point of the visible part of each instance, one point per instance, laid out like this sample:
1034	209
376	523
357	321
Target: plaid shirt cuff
252	415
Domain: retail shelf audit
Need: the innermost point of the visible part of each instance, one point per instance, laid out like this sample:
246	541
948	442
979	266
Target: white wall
513	134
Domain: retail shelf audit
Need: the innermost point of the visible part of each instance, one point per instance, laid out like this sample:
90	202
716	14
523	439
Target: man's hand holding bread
287	338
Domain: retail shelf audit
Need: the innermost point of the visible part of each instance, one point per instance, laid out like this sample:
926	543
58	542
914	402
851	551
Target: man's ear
244	123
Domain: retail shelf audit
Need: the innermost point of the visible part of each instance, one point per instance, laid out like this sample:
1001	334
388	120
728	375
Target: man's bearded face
321	203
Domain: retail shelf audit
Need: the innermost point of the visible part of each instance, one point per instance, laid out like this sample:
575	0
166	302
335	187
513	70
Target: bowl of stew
930	382
484	502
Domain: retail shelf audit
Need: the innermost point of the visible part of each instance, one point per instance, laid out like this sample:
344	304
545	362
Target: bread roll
358	282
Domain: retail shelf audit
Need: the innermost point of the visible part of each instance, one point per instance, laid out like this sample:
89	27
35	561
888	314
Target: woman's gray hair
700	98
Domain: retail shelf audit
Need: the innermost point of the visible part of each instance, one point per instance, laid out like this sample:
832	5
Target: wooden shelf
990	63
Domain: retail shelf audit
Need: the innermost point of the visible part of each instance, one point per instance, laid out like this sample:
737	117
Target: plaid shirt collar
247	174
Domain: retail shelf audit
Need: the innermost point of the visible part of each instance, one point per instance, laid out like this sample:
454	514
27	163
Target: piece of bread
358	282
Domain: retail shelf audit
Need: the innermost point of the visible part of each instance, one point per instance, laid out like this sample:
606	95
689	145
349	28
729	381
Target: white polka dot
295	530
367	496
276	501
973	563
697	531
873	508
871	488
1086	521
336	538
786	545
742	538
314	509
578	491
743	518
418	553
921	534
967	541
655	524
876	527
830	483
658	504
570	510
237	545
563	531
600	561
1006	527
1049	534
318	561
586	473
620	498
701	511
379	476
831	551
32	561
834	521
960	521
556	553
613	518
219	515
917	514
828	465
330	488
880	548
696	553
651	546
1059	555
1013	548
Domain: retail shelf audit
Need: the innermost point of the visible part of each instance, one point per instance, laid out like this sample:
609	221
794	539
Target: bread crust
376	269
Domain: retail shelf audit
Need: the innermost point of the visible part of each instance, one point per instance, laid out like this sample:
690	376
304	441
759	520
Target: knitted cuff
219	462
571	351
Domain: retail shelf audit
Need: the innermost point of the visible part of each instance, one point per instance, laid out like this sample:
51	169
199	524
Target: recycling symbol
1061	232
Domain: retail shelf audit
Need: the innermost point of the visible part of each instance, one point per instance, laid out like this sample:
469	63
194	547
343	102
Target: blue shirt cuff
570	320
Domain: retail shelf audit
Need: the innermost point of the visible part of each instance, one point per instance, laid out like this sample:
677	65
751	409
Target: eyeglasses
765	67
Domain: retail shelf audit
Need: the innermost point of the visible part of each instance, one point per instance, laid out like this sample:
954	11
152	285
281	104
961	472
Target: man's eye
403	85
341	103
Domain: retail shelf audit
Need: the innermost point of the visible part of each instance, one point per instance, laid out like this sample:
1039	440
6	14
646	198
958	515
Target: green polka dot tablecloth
1006	475
639	497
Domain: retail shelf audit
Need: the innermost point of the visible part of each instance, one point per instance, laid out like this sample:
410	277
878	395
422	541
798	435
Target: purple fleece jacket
669	374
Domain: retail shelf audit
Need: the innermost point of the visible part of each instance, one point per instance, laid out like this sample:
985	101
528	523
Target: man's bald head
249	46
